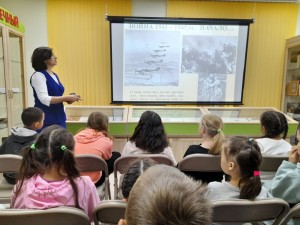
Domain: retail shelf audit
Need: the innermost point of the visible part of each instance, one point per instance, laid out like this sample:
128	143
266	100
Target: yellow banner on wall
11	20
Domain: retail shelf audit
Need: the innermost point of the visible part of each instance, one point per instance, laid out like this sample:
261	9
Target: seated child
241	159
136	169
149	137
213	137
286	183
49	177
164	195
95	140
21	137
273	125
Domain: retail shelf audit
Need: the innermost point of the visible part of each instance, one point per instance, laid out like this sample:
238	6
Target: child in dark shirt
21	137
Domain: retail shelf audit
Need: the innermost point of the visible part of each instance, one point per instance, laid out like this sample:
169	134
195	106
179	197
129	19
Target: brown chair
88	163
269	166
109	212
59	215
246	211
121	165
201	163
294	213
9	163
270	163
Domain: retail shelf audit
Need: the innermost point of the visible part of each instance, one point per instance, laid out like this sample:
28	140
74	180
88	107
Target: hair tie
256	173
63	147
250	140
33	147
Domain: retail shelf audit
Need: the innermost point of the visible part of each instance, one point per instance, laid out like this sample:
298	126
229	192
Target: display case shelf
246	120
178	121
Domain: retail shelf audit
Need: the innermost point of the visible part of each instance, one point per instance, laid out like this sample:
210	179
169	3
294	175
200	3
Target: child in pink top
49	177
95	140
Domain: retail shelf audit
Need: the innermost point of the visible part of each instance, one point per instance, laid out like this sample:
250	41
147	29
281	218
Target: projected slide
178	63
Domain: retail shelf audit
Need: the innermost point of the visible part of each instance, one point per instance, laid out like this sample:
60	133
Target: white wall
146	8
33	14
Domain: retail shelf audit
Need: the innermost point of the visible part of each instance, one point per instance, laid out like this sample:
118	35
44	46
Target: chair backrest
89	162
243	211
10	163
109	212
270	163
60	215
121	165
201	163
294	213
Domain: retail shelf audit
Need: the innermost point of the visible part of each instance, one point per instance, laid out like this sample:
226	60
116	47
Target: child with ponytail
274	127
49	177
211	133
241	159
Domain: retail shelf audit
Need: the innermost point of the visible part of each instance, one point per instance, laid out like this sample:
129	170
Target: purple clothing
37	193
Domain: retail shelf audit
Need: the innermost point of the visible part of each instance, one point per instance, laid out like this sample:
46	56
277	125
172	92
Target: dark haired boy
33	119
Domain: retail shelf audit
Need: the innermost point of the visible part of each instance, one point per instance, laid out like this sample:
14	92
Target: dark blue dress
55	113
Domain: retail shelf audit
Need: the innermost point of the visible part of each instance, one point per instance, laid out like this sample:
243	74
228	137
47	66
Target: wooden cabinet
290	103
12	73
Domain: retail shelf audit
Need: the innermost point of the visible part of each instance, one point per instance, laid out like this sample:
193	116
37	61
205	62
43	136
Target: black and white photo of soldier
212	59
206	54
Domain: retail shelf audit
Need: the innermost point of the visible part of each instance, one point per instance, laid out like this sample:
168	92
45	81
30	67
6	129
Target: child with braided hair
241	159
274	126
49	177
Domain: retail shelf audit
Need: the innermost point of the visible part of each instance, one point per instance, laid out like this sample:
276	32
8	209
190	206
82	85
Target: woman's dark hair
133	172
39	56
246	153
99	122
149	134
275	123
53	146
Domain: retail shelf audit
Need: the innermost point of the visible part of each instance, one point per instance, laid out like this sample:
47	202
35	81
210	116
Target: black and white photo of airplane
164	46
159	50
143	71
157	55
151	60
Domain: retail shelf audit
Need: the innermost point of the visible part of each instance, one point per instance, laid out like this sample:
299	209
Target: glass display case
245	120
181	123
178	121
12	74
77	117
290	102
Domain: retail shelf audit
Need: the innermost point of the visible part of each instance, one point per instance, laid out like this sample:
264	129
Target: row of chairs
110	211
194	162
107	212
86	163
